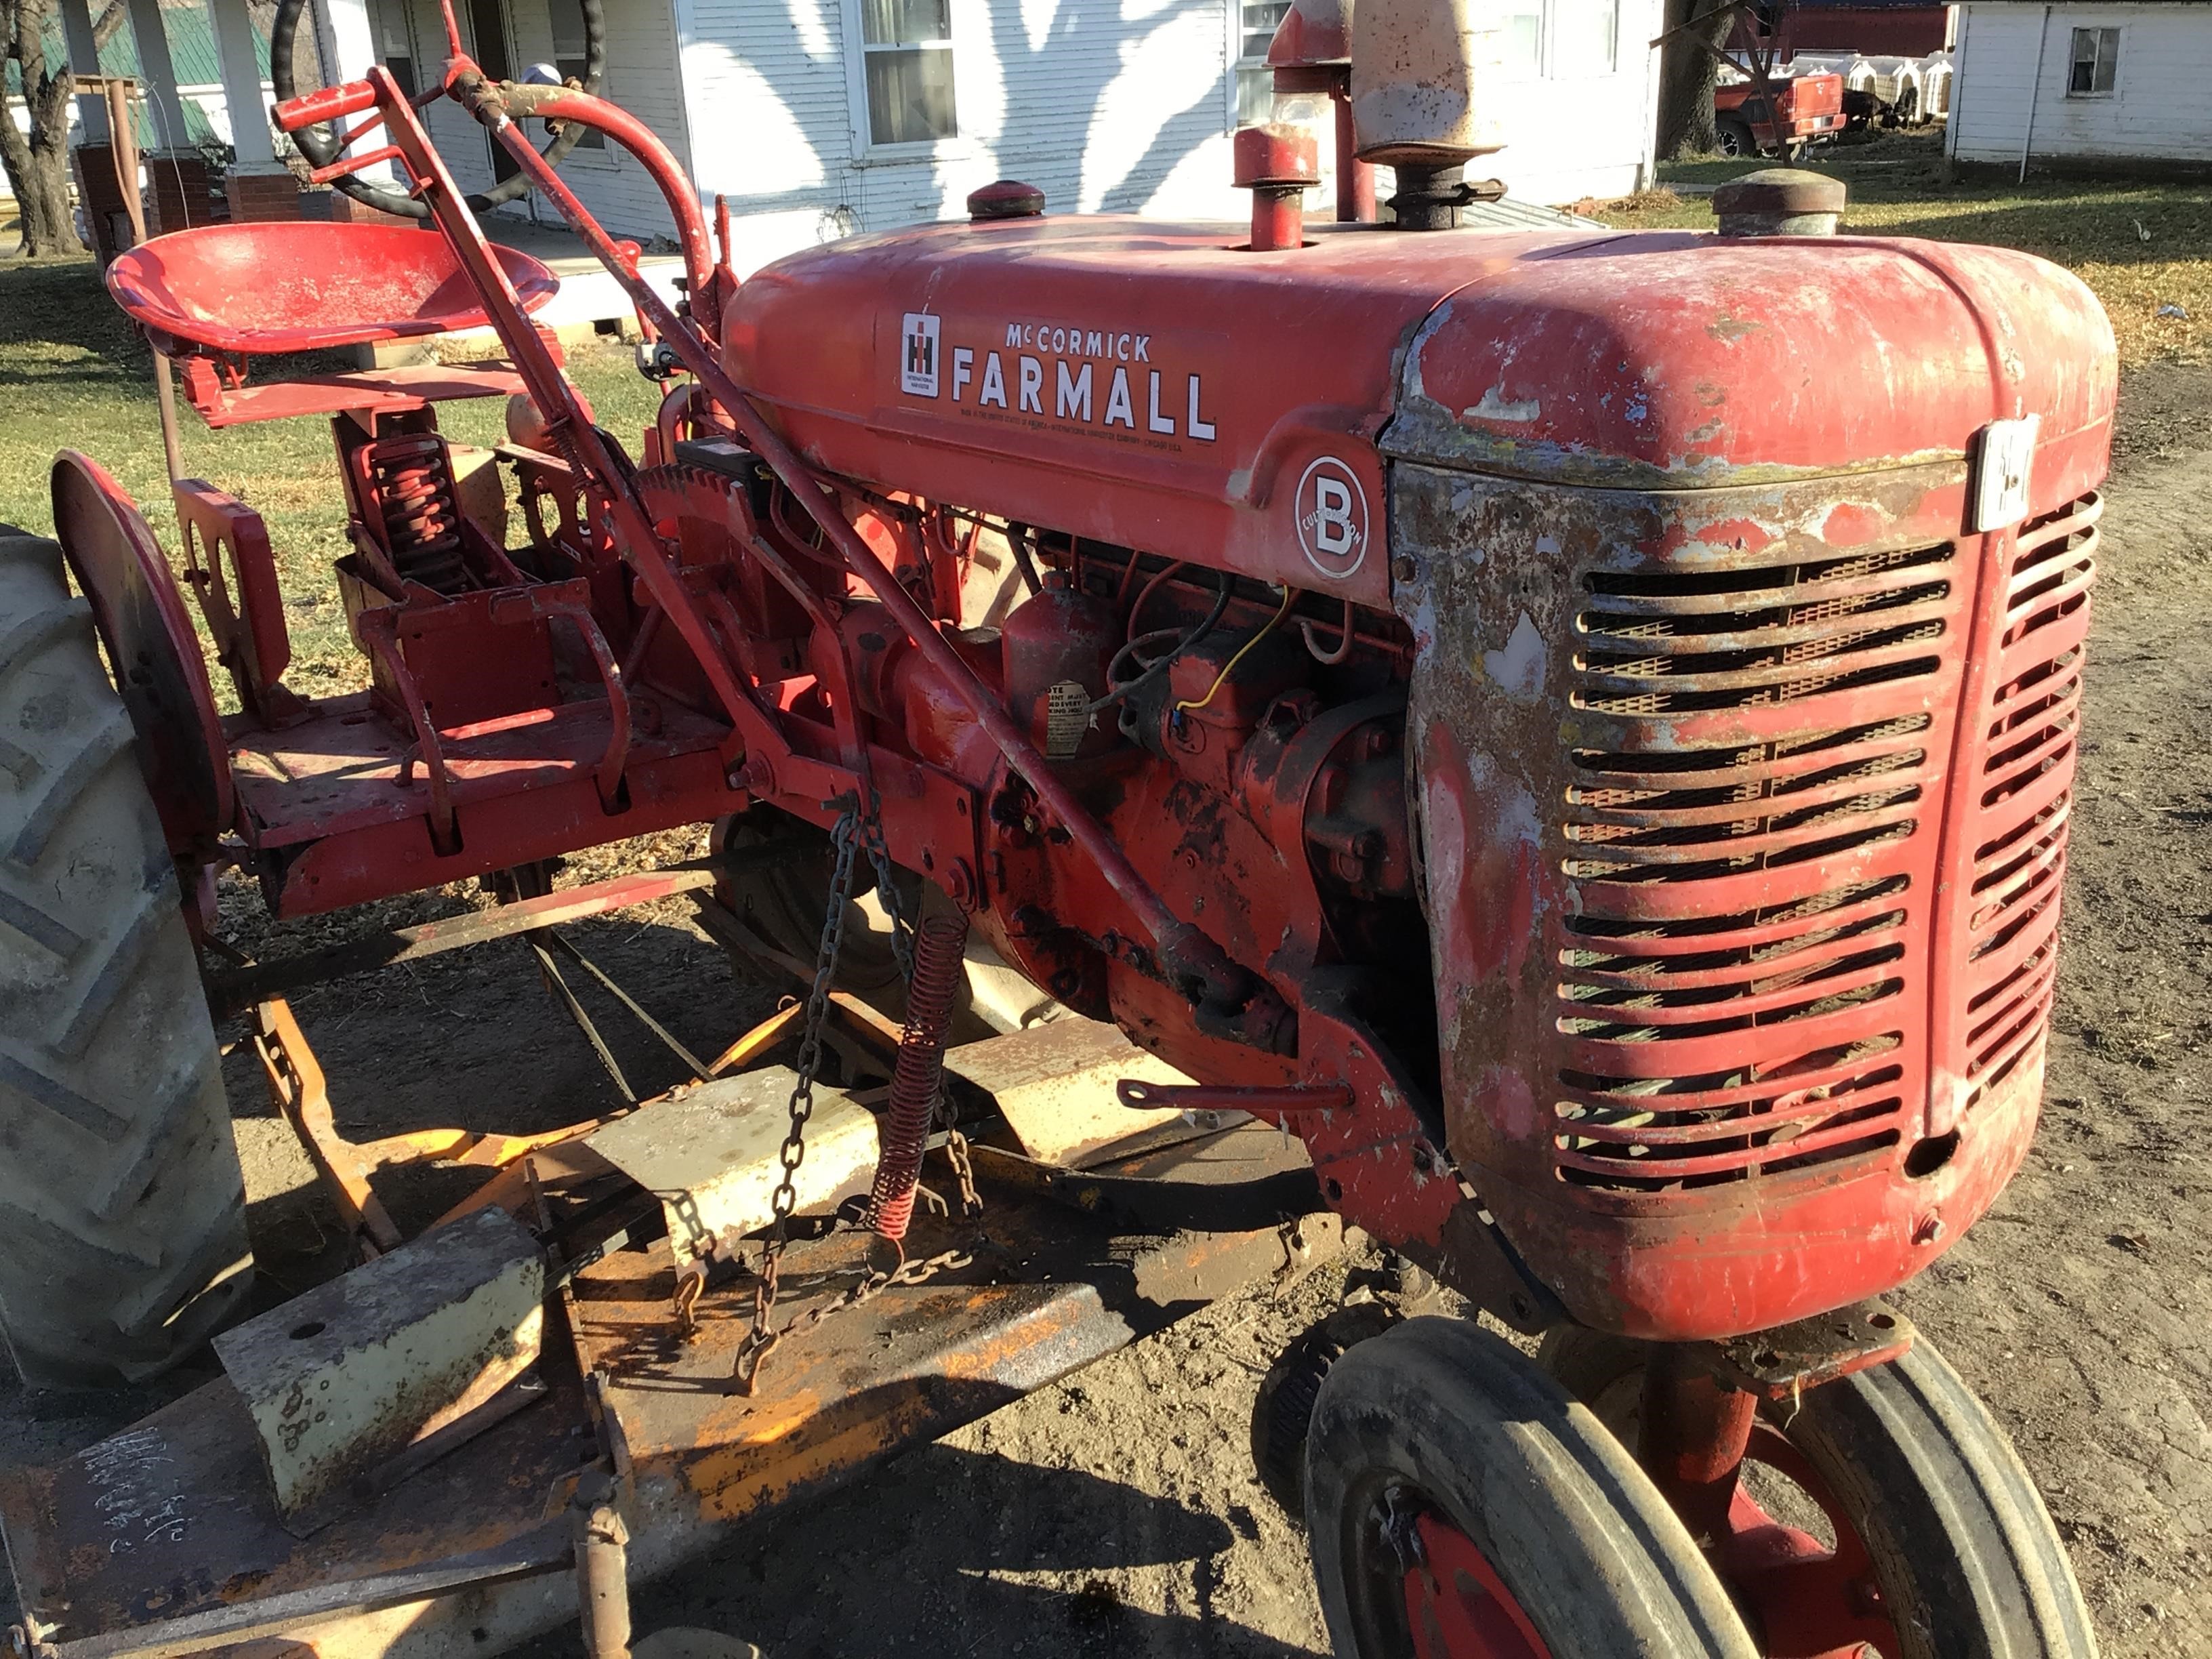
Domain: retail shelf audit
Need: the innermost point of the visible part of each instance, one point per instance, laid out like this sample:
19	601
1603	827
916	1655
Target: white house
819	117
2083	80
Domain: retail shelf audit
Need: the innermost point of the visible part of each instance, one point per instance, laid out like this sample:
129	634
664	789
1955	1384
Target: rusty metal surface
165	1538
349	1375
1781	1364
234	989
708	1154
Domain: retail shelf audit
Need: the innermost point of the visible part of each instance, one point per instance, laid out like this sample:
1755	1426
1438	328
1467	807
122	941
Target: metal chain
879	856
844	840
856	831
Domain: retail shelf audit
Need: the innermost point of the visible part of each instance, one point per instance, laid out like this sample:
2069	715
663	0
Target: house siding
1116	105
2155	108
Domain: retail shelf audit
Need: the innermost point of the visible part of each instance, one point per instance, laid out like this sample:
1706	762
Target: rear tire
1443	1423
120	1196
1967	1561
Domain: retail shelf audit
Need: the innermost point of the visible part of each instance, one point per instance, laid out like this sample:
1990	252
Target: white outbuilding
2089	80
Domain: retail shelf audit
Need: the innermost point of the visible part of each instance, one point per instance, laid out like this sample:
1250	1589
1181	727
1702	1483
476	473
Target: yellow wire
1230	667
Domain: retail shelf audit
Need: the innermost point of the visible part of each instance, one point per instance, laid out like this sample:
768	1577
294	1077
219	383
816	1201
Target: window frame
866	152
382	15
2073	42
1240	65
604	155
1553	68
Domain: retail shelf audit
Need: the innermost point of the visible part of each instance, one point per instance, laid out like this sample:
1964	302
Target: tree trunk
1687	74
38	162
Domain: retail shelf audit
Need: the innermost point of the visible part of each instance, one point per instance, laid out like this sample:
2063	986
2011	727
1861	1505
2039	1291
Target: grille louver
1745	887
2024	787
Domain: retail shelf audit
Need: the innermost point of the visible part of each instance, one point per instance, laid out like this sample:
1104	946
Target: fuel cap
1008	198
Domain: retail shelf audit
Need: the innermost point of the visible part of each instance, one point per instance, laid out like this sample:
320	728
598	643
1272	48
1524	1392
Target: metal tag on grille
1067	719
2002	472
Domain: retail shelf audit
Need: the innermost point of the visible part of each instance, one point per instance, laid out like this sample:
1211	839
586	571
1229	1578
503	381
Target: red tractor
1467	705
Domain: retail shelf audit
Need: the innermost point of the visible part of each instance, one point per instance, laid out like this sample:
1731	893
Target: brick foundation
343	209
259	197
180	193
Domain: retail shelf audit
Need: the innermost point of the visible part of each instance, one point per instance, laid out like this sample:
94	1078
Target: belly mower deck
168	1538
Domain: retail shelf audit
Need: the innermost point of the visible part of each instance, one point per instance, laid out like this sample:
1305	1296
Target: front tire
1921	1488
1734	138
1459	1503
120	1196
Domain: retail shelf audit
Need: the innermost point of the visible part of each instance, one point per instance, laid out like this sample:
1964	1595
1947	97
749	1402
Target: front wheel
1461	1505
1885	1510
1735	139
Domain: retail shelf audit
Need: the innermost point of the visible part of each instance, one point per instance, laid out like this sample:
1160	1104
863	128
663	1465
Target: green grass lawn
73	374
2141	245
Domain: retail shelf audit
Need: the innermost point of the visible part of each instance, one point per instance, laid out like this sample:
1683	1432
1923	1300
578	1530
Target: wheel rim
1456	1606
1806	1599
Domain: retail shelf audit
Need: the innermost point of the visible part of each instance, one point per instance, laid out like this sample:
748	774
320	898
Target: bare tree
38	161
1689	69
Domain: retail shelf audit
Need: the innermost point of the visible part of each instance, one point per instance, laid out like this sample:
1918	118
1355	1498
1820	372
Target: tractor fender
152	650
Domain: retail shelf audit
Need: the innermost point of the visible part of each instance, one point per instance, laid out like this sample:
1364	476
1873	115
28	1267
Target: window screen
907	49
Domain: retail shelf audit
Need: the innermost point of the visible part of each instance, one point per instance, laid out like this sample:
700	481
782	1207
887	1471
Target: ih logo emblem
1331	510
918	354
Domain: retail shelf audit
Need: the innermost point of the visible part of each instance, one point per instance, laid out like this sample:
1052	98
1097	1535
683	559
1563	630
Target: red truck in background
1806	107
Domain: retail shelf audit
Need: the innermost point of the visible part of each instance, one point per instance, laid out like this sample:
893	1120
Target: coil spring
939	949
413	479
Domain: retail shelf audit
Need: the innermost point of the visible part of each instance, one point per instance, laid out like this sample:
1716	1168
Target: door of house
494	51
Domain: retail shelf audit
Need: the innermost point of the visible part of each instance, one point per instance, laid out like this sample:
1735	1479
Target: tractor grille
2023	778
1745	856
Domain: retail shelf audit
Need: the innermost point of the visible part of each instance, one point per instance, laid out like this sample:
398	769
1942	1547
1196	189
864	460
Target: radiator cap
1008	199
1779	202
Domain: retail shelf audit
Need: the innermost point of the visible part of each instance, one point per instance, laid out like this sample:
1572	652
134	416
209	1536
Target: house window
1520	40
1586	38
568	20
2096	54
1256	23
395	42
906	48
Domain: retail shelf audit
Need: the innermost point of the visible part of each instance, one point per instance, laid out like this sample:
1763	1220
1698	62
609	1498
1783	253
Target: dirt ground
1117	1512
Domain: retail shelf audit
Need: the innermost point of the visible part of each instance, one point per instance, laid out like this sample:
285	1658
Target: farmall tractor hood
1718	659
1217	404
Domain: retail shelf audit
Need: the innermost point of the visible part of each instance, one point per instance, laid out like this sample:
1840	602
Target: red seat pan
293	286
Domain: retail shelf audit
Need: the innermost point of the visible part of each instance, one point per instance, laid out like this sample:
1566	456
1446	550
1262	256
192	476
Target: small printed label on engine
1067	719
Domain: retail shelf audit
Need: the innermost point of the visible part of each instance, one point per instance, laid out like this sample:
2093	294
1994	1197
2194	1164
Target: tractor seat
292	286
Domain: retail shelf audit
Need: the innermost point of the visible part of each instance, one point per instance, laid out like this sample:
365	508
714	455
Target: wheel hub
1455	1603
